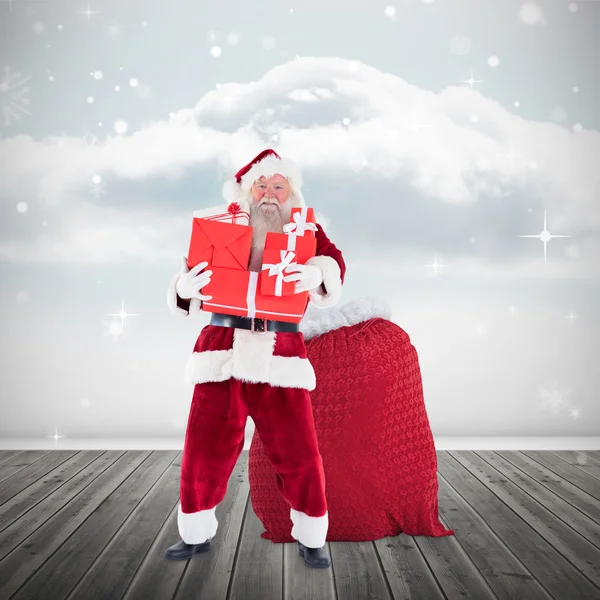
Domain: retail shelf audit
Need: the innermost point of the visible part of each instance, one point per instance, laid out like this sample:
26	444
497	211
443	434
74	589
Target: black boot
181	550
314	557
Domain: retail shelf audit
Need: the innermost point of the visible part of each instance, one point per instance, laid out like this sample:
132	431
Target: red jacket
277	358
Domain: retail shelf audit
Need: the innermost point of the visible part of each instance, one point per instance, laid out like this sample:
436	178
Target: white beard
262	222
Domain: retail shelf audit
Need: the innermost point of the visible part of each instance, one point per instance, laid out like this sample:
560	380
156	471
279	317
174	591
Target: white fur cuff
195	303
310	531
332	280
196	528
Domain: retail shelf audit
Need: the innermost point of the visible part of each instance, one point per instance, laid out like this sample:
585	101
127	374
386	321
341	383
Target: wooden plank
592	457
21	461
558	576
258	566
206	575
113	570
6	455
595	454
480	553
451	567
582	554
30	474
42	512
405	569
585	503
28	557
584	525
577	550
19	504
357	572
301	582
69	563
571	473
579	460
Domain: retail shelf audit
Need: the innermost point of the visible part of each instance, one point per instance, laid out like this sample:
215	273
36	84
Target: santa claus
244	367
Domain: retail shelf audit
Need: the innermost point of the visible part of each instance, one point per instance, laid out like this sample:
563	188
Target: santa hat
267	163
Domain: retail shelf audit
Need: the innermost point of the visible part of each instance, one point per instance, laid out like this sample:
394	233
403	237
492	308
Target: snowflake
143	91
268	43
13	95
554	399
97	187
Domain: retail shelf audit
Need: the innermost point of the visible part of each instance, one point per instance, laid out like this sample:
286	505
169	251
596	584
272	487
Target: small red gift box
273	272
302	221
220	244
225	213
303	248
237	292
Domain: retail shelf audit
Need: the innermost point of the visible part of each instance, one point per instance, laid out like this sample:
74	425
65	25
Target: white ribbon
277	269
251	295
299	224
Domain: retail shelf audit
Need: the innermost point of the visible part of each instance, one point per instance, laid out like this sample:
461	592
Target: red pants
214	440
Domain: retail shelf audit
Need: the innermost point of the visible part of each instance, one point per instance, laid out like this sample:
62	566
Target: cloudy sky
429	133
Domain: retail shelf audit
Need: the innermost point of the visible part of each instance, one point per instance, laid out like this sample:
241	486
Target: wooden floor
95	524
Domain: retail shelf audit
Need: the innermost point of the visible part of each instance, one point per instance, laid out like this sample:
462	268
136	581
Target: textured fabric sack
372	428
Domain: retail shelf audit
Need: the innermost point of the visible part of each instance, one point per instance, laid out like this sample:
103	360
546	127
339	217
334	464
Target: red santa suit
239	373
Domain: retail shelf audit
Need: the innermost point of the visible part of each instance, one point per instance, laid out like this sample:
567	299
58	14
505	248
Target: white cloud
397	133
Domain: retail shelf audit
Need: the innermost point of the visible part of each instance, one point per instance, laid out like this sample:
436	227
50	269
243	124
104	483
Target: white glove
191	281
308	277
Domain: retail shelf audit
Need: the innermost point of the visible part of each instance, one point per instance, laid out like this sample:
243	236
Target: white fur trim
310	531
278	371
332	281
292	371
232	192
318	321
252	354
195	303
198	527
213	365
268	167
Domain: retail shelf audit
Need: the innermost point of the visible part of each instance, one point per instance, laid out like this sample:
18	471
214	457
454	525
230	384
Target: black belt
253	324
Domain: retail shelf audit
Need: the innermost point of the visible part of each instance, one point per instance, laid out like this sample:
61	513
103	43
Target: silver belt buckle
253	326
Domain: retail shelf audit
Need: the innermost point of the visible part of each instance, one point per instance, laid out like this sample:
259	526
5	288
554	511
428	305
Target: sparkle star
56	437
571	316
88	12
511	155
545	236
435	265
122	314
471	81
416	125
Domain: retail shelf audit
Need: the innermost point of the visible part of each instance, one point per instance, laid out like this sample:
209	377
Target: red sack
372	428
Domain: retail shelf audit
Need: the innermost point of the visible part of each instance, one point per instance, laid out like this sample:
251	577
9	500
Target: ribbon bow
278	268
299	225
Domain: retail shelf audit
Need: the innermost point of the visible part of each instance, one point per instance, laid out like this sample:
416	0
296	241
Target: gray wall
403	162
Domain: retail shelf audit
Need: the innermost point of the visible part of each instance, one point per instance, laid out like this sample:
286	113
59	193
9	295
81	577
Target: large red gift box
222	237
236	292
220	244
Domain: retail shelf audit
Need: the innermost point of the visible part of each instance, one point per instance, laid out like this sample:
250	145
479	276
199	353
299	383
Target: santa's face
270	208
270	203
269	192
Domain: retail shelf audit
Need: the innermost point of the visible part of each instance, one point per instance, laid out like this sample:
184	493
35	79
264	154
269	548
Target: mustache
268	201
